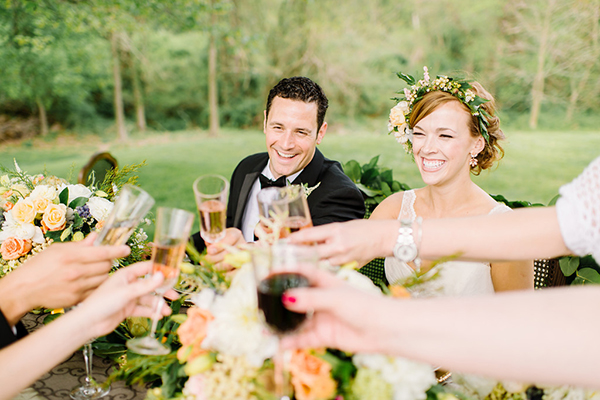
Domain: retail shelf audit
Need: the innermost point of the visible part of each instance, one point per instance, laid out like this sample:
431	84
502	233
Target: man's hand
215	252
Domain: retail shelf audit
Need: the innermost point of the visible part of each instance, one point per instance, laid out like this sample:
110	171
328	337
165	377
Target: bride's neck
448	200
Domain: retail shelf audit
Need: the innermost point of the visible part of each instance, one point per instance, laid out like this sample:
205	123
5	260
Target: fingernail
288	299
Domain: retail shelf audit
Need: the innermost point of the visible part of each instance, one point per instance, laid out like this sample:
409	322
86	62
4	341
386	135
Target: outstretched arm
122	295
542	337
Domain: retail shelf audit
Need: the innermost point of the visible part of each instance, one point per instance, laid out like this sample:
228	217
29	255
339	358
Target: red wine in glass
270	290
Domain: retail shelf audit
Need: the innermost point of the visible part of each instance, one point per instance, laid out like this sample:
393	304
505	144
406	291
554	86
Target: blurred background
182	83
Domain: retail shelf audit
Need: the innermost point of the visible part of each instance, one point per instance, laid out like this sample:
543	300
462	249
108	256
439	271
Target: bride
451	129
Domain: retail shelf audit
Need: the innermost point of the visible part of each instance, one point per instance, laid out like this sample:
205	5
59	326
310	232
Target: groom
294	124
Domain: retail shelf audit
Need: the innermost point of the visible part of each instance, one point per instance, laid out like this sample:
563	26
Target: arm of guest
60	276
99	314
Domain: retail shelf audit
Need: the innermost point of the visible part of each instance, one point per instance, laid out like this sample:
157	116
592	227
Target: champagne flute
211	198
288	204
276	270
172	231
132	204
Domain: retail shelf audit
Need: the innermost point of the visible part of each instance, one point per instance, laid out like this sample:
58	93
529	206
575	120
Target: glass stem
88	352
155	317
280	374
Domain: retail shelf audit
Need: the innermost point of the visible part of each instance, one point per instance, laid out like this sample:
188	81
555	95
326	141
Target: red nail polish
288	299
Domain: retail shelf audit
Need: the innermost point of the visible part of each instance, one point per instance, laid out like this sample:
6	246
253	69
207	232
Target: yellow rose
24	211
23	190
54	218
40	204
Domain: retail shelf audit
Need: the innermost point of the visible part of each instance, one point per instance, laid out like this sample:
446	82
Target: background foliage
79	65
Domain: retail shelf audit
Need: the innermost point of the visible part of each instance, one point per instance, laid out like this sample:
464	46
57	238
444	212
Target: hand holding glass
288	204
172	231
211	199
276	270
132	204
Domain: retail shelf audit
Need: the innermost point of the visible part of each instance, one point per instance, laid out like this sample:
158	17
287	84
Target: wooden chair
547	273
99	164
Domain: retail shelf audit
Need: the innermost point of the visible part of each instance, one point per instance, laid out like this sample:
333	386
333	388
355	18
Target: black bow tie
266	182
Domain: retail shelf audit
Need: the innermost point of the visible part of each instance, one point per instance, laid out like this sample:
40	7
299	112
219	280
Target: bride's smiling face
442	144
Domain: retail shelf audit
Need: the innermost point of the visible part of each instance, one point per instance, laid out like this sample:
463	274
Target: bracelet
419	236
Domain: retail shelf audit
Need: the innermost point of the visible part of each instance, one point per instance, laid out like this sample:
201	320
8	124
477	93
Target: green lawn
535	166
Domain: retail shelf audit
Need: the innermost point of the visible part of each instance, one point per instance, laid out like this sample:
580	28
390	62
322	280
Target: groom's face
292	135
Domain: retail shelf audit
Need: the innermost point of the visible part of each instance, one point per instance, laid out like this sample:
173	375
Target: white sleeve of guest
578	211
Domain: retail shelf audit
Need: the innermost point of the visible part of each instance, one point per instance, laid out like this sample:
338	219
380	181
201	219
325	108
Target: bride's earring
473	160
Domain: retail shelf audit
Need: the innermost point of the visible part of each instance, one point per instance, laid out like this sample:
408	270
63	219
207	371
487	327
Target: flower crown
461	89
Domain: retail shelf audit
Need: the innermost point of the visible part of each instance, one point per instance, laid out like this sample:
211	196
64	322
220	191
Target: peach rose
192	332
399	291
40	204
54	218
311	376
24	211
7	194
13	248
8	206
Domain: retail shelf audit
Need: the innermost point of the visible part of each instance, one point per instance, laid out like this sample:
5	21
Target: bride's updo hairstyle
492	151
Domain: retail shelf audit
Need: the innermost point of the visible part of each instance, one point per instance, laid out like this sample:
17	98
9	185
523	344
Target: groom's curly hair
302	89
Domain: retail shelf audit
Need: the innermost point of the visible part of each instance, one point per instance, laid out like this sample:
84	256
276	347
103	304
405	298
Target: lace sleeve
578	211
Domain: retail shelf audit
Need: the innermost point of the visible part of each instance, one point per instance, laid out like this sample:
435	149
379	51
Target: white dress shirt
251	219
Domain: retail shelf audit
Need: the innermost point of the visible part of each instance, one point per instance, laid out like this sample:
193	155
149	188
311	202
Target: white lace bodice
456	278
578	211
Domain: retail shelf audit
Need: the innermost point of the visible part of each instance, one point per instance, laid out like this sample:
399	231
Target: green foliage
374	181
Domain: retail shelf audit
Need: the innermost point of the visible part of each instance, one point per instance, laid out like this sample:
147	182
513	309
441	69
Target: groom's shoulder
252	160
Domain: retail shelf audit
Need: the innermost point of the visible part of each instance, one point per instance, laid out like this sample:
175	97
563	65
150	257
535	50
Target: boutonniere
309	190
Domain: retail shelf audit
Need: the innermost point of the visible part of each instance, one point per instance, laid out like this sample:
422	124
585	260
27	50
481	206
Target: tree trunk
138	97
537	89
213	102
119	110
43	117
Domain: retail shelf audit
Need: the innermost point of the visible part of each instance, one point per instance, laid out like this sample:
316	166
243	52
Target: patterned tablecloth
58	382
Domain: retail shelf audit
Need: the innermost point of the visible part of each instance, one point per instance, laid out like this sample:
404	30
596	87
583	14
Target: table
58	382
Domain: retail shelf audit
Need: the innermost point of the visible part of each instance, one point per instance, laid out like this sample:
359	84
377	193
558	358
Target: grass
536	164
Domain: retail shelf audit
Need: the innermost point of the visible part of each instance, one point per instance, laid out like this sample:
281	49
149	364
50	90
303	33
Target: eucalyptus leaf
385	188
352	170
78	202
568	265
589	275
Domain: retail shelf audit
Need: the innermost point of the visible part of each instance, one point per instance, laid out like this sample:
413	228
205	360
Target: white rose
20	188
99	208
43	191
358	280
12	228
5	180
76	191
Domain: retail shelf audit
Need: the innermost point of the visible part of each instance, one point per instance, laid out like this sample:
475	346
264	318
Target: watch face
407	252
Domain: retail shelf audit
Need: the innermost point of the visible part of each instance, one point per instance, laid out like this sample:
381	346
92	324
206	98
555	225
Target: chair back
98	166
547	273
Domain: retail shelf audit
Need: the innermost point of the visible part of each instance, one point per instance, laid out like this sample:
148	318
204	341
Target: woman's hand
122	295
215	252
344	317
356	240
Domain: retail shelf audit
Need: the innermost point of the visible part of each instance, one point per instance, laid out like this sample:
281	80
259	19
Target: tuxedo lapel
312	172
249	180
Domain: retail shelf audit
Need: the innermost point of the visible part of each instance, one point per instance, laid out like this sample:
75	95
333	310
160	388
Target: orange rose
399	291
7	194
8	206
54	218
192	332
13	248
24	211
311	376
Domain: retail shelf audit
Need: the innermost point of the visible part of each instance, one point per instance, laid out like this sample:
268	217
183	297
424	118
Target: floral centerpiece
39	209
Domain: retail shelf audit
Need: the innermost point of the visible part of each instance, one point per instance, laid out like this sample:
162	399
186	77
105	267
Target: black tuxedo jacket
337	198
7	336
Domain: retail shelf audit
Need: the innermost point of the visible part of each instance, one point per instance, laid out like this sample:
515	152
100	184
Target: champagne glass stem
280	374
155	316
88	353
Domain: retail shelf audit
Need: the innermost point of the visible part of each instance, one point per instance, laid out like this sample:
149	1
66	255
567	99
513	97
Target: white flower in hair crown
461	89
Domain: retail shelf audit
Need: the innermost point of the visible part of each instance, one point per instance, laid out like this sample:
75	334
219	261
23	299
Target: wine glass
172	231
211	199
287	204
276	270
132	204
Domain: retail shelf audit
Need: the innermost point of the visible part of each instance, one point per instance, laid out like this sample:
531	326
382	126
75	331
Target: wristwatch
406	249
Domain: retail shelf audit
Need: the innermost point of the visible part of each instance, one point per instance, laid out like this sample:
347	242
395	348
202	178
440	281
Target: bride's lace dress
578	211
456	278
